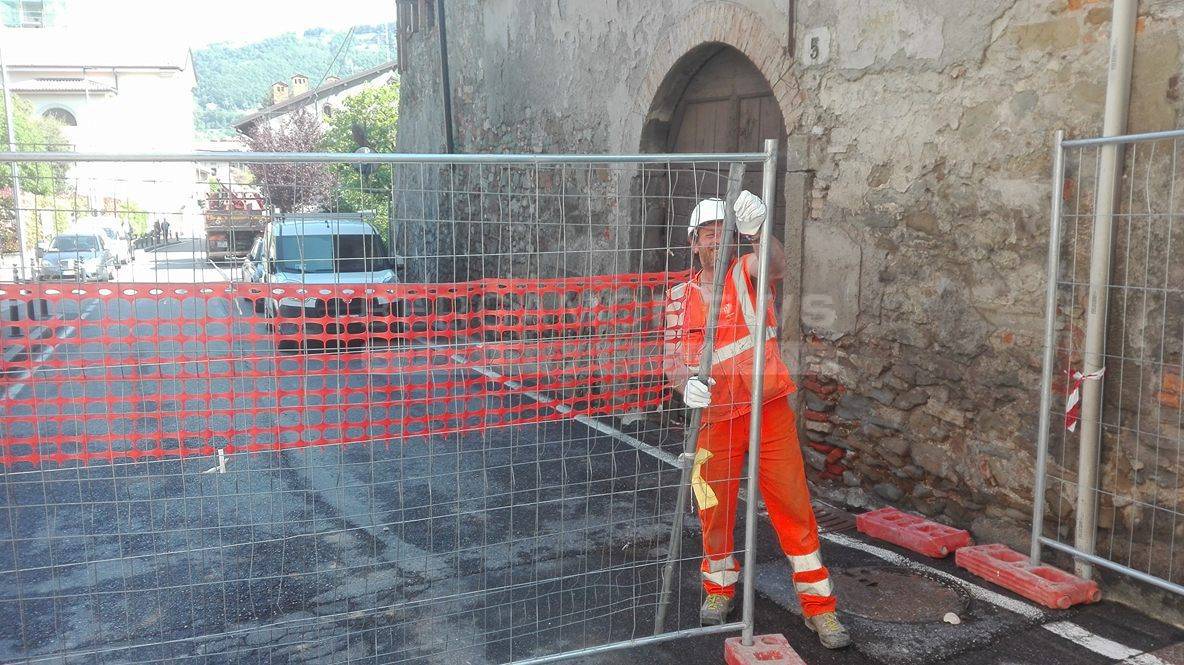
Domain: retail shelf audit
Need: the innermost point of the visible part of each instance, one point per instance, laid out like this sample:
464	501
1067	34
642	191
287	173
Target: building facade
914	189
113	96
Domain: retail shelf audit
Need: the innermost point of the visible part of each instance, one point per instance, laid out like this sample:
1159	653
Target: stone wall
924	130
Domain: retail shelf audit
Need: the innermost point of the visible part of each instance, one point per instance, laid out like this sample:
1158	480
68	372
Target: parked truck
234	219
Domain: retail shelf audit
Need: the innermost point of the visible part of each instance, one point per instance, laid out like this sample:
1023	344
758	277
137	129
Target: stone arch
725	24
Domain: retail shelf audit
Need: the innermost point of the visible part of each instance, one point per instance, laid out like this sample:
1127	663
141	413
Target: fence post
14	315
1050	324
768	195
722	259
14	168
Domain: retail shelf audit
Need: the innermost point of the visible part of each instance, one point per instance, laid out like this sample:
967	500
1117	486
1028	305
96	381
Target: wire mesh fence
1116	505
320	409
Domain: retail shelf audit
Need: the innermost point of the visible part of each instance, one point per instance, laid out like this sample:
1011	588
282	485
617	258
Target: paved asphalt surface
478	547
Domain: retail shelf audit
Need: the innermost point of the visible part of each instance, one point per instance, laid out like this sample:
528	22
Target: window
31	13
61	115
411	17
75	244
406	21
330	253
427	14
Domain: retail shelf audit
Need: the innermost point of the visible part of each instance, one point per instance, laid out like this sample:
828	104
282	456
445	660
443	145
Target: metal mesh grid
471	457
1137	498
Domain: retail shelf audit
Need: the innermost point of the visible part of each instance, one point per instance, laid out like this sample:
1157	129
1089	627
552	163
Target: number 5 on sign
816	47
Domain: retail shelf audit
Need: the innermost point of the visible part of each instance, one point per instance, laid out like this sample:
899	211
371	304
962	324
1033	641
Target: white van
324	248
114	235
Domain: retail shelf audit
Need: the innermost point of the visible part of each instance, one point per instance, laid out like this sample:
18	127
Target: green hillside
233	80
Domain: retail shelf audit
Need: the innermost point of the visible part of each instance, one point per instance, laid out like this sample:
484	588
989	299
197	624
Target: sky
197	23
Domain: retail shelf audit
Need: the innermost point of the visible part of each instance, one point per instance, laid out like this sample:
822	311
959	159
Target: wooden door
727	106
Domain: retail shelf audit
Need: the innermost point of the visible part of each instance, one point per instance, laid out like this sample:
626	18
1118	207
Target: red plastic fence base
1044	584
765	650
912	532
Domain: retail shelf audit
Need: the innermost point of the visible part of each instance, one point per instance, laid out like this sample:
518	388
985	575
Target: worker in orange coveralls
723	439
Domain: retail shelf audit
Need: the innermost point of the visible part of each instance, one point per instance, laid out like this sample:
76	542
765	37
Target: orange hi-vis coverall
723	439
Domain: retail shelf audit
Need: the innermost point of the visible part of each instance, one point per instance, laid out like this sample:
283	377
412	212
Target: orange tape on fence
104	372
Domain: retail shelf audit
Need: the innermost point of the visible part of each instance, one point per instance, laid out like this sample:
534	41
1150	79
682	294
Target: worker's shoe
831	633
715	609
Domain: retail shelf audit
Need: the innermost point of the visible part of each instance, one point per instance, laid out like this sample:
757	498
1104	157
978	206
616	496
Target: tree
369	120
32	134
292	186
234	77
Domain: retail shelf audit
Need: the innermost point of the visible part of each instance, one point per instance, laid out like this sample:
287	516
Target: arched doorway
712	100
61	115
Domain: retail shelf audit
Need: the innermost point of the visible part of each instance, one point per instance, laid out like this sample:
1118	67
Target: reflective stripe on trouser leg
805	562
811	581
720	574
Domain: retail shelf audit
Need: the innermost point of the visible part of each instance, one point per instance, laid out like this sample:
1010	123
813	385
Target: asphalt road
485	546
182	261
499	543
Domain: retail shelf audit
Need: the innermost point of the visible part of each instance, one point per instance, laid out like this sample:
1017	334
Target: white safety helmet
708	210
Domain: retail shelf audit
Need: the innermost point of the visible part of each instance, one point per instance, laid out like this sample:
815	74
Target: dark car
77	256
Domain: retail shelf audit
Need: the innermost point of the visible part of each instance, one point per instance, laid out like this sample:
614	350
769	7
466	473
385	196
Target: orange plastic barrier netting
141	371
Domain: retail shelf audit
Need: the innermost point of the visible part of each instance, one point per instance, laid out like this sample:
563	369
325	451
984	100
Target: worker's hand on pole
750	213
697	394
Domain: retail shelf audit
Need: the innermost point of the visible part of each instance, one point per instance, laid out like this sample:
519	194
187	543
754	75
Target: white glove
697	394
750	213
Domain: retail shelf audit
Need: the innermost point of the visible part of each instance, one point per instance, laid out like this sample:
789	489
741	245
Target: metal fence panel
461	449
1130	519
